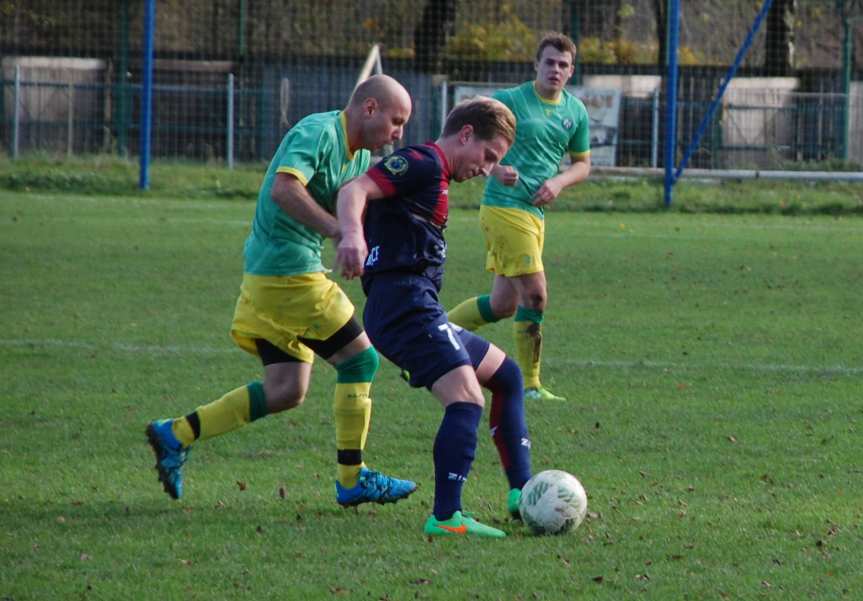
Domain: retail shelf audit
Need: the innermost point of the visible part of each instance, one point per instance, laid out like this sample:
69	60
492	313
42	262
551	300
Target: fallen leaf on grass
598	579
241	485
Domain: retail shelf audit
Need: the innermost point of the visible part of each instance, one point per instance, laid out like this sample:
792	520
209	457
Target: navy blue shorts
407	324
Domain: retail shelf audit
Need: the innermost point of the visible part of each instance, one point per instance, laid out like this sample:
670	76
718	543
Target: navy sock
508	426
454	450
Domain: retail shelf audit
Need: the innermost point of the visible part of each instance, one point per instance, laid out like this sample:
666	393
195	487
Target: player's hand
506	174
351	254
547	193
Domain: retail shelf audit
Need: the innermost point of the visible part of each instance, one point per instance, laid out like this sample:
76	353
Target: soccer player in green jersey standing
288	310
551	123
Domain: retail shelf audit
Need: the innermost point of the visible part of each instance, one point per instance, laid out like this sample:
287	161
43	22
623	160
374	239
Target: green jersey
545	131
316	152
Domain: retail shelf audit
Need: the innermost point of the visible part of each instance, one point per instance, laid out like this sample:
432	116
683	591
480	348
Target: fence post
654	133
16	113
147	94
70	117
230	124
444	102
673	30
847	60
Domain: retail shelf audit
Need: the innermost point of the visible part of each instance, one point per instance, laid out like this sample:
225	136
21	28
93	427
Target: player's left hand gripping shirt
404	229
316	152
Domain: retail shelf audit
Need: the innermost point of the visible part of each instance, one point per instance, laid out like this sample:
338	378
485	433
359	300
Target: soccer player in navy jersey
392	220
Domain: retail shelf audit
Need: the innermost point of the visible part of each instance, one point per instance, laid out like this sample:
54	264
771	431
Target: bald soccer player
288	311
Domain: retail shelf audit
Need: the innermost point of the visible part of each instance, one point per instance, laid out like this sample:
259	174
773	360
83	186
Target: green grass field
714	365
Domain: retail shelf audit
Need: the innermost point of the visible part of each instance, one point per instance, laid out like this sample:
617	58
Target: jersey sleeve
403	172
579	143
301	153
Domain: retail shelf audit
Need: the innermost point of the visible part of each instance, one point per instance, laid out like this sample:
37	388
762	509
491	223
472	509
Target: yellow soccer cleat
541	394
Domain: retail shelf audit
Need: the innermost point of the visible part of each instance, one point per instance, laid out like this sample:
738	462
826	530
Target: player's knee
507	379
536	300
282	396
362	367
504	308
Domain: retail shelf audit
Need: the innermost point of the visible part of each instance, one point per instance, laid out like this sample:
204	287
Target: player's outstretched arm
293	198
350	206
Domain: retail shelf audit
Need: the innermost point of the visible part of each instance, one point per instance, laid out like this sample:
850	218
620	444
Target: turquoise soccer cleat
170	456
513	501
374	487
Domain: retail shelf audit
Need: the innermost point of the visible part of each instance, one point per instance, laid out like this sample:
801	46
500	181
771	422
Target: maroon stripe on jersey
445	172
441	210
383	182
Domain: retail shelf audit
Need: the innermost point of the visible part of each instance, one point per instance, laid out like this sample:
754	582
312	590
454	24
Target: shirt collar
343	121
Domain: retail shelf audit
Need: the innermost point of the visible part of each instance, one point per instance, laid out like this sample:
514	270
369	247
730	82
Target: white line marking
763	367
842	370
116	346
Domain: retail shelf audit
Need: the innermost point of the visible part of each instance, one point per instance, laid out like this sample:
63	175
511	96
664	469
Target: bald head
377	112
383	89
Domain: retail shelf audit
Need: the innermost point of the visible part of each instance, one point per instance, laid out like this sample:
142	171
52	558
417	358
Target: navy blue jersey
404	229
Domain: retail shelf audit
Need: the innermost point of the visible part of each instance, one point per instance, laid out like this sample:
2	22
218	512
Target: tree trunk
432	32
661	14
779	45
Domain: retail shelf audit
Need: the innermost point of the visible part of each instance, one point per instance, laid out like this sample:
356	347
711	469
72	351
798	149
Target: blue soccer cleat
170	456
374	487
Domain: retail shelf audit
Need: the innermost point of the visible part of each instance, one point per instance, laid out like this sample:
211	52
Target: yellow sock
352	406
528	343
473	313
353	410
234	410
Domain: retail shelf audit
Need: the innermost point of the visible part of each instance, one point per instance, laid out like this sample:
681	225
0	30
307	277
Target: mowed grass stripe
574	362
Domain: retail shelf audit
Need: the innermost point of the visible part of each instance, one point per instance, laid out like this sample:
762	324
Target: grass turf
713	365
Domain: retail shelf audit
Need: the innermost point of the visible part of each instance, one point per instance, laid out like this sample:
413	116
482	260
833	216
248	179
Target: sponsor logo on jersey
374	255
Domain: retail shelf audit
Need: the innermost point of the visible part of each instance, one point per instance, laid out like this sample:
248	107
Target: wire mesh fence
231	76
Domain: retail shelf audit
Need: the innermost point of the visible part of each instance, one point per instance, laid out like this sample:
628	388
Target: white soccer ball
553	502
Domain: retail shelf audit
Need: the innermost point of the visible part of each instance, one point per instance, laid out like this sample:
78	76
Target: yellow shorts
513	240
280	309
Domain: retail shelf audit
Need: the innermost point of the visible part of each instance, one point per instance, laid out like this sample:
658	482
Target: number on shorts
445	327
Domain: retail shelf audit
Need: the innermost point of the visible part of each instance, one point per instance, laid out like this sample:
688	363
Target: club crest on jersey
396	164
567	124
